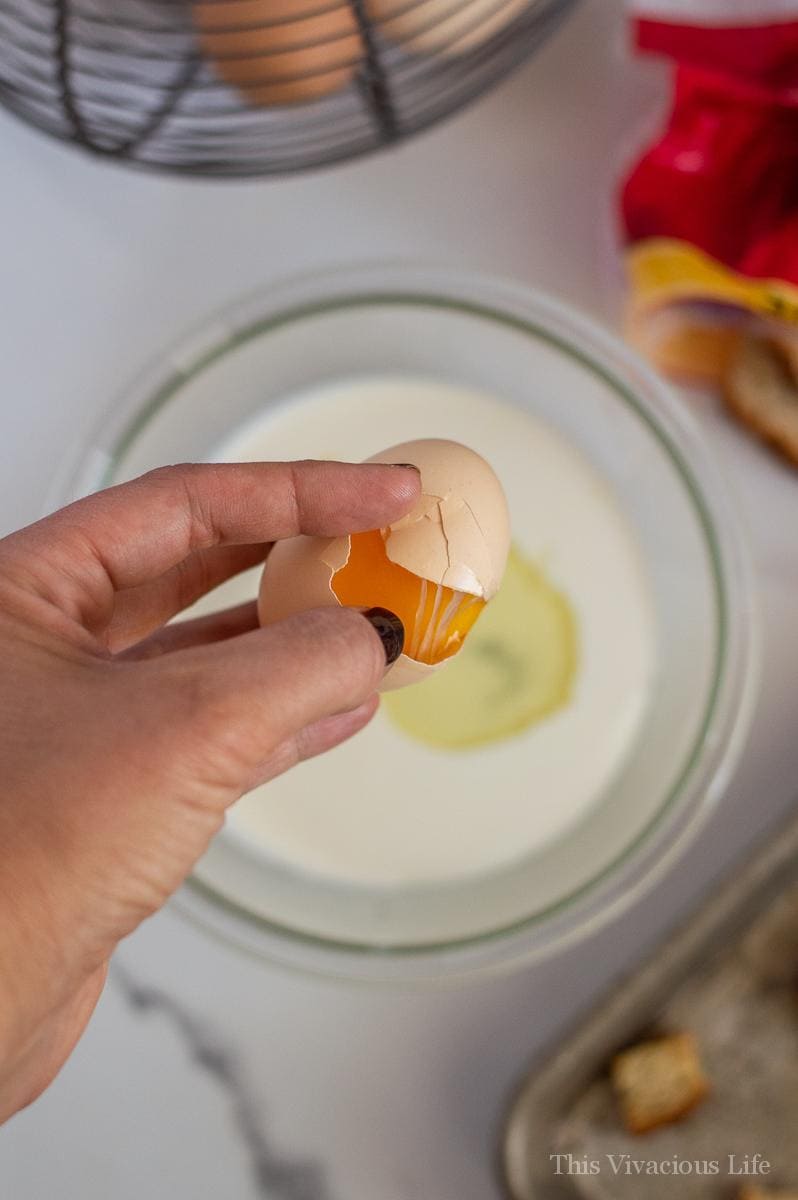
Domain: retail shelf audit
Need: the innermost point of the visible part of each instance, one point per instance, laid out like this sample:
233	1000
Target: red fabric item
724	173
774	255
723	176
766	54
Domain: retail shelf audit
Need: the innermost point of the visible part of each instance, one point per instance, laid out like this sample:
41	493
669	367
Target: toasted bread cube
761	388
754	1192
658	1081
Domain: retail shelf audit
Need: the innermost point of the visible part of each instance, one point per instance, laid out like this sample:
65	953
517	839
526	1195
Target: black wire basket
255	87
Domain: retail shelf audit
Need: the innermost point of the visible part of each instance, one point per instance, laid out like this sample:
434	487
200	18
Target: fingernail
407	466
391	631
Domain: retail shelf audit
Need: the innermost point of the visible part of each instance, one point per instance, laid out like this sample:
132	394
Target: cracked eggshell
457	535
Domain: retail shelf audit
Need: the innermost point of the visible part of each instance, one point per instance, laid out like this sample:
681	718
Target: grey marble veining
205	1075
277	1175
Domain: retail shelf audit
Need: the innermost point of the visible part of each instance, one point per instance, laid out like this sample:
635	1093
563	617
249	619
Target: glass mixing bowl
544	358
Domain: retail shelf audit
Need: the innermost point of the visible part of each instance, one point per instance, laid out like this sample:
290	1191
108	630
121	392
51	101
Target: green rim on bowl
718	738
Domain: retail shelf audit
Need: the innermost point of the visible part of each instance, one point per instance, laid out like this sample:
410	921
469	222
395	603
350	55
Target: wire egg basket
255	87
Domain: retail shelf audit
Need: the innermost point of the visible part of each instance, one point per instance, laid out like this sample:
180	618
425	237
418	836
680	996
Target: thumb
234	703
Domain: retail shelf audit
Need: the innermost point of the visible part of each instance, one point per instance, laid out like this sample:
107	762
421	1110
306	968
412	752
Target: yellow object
517	667
687	312
667	271
437	566
436	618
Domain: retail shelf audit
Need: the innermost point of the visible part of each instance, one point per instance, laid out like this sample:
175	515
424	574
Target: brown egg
436	568
447	27
280	51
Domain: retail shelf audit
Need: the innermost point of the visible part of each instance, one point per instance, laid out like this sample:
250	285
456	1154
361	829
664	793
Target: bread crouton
659	1081
754	1192
761	390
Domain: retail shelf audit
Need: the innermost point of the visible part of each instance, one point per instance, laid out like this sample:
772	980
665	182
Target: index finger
132	533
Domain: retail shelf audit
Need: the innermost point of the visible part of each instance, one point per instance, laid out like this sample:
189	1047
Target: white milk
386	810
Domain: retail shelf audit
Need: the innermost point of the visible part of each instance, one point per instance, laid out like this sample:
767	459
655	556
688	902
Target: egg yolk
436	618
519	668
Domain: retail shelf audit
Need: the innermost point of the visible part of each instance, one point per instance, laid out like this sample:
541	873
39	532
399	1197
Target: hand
123	739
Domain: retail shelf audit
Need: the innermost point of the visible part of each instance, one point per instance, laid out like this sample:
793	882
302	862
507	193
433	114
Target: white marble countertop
205	1073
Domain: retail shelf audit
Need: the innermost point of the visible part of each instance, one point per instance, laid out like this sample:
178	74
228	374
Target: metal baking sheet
730	974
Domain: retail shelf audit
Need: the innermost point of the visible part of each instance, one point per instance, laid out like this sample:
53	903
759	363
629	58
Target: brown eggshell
280	51
458	534
462	544
443	27
298	574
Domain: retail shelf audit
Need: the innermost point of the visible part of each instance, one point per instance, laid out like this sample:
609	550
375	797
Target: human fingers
200	631
37	1058
231	705
191	731
126	536
314	739
140	611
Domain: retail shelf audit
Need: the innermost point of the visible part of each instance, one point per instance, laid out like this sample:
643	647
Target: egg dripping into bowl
436	568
